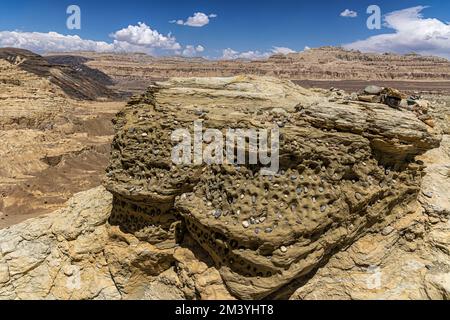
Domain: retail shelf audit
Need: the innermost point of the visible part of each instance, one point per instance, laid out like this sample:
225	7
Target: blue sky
240	26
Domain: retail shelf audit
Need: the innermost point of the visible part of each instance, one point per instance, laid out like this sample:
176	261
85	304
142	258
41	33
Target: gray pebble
217	213
428	194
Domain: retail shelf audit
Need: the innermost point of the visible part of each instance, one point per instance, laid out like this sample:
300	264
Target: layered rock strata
134	70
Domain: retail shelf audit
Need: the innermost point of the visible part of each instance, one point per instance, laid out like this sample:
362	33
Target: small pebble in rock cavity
428	194
217	213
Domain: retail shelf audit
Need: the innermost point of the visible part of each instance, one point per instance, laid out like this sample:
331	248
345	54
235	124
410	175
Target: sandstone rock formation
338	63
27	100
75	254
409	259
346	169
341	210
33	92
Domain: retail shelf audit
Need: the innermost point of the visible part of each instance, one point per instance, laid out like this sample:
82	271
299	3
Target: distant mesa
319	67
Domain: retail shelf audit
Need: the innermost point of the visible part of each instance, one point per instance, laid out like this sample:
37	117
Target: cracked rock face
74	254
346	169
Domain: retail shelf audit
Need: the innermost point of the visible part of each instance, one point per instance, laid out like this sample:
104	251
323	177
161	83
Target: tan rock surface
59	256
410	259
75	254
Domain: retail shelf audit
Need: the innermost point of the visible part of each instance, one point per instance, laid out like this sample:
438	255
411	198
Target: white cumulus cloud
139	38
51	41
282	50
254	55
347	13
230	54
143	35
199	19
413	33
192	51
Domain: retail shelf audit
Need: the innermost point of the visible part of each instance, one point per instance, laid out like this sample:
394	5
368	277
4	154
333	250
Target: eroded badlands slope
346	168
72	81
53	144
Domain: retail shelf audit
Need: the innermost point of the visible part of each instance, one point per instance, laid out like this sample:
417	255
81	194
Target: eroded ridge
346	169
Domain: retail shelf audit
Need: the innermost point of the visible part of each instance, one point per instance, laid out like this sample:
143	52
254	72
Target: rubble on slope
397	100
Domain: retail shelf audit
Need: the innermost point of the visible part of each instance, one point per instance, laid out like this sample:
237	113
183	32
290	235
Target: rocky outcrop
347	169
338	63
409	259
35	93
75	254
52	146
50	258
340	220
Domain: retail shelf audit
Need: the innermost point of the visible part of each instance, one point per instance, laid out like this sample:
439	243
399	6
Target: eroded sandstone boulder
346	169
409	259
